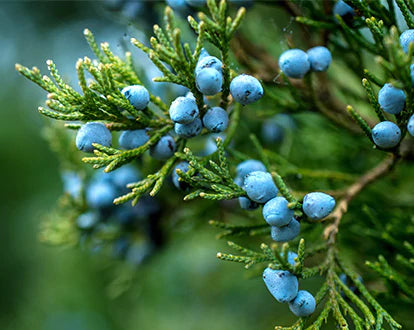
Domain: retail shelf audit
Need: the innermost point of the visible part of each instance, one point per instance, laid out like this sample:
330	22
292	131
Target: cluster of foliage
211	175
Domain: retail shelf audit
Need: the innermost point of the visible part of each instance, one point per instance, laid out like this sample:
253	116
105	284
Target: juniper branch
352	191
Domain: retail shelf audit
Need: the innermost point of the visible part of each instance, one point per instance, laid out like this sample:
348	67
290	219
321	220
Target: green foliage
215	184
212	177
396	276
335	297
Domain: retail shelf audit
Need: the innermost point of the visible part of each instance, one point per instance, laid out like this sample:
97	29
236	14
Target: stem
353	190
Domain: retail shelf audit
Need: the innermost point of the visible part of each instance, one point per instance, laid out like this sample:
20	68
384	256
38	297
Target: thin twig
353	190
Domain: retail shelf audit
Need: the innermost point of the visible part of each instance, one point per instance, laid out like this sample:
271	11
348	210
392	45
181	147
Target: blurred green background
182	287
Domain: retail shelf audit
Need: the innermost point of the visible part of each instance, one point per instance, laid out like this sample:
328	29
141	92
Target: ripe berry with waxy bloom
285	233
281	284
391	99
249	166
259	186
133	139
216	119
303	305
406	38
386	134
294	63
189	130
320	58
164	149
276	212
246	89
93	133
318	205
183	110
209	81
208	62
137	95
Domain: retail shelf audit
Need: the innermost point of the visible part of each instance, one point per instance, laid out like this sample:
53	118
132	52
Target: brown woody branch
353	190
406	152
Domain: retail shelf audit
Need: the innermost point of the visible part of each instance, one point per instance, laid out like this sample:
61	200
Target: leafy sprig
101	99
276	256
152	184
219	30
209	179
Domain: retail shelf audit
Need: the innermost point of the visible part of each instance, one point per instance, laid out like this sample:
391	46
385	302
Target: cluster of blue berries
185	114
387	134
102	214
260	189
184	111
244	89
284	287
138	96
96	132
281	283
295	63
